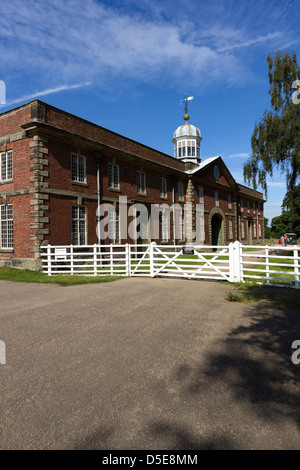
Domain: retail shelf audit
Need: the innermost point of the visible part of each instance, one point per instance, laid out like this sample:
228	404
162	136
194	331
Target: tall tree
276	138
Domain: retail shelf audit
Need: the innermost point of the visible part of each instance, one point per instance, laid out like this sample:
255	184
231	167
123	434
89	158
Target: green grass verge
25	275
250	293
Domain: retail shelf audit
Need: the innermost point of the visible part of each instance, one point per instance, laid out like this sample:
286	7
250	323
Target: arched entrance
216	229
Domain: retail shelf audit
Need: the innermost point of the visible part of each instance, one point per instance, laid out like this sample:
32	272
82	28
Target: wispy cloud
48	91
251	42
277	184
142	41
238	155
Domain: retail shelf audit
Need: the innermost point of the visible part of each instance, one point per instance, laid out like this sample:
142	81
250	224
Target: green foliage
276	138
281	224
289	220
25	275
267	229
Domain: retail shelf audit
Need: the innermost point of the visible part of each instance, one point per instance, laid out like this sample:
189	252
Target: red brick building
57	168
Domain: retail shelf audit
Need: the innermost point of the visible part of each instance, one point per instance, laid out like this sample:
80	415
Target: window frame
217	198
180	191
201	194
141	182
77	220
113	176
163	187
77	179
9	222
8	155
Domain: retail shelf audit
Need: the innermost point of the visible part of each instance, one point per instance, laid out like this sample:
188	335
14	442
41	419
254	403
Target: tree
291	204
276	138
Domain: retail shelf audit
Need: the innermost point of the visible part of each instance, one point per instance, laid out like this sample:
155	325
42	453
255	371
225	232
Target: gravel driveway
146	364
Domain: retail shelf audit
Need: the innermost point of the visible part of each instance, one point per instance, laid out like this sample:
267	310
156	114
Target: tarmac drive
146	364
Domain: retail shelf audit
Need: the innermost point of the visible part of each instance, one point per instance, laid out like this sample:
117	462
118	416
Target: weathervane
186	117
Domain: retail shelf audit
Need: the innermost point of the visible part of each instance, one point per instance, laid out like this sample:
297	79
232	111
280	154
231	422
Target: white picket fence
234	262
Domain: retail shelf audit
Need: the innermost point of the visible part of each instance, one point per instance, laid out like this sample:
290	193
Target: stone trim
217	210
39	168
9	138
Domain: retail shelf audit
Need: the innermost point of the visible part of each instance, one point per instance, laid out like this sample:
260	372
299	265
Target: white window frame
6	166
114	226
201	194
6	226
78	166
217	201
242	204
113	176
229	201
76	221
180	191
141	182
163	187
164	227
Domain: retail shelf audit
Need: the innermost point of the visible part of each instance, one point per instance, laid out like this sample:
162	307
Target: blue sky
125	65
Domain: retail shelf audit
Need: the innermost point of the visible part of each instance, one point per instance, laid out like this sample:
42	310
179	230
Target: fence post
49	272
267	265
152	258
111	259
95	258
296	266
234	262
127	259
72	259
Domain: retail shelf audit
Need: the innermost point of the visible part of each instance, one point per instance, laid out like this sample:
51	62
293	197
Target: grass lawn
25	275
251	293
279	268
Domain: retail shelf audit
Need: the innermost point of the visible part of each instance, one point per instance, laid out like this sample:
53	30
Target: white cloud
166	43
251	42
280	184
238	155
47	92
95	43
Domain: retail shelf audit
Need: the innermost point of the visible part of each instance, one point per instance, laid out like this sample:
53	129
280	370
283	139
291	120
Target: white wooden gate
190	262
234	262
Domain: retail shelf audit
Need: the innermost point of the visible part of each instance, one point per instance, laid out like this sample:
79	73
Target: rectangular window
180	191
243	229
230	229
180	225
113	176
242	205
141	182
6	226
78	168
259	230
217	198
78	225
253	205
163	187
201	194
254	229
248	206
113	226
6	166
229	201
164	229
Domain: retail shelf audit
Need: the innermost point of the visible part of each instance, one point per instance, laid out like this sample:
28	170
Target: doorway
216	228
